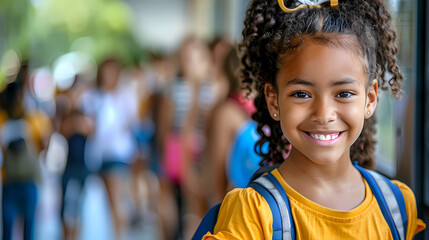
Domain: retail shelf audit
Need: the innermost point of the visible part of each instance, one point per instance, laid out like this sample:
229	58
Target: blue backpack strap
282	192
395	202
390	200
274	194
401	202
277	219
277	201
208	223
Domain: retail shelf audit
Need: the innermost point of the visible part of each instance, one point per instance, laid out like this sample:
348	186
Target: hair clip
307	4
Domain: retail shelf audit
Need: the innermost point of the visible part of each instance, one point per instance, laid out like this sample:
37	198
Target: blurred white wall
163	24
160	24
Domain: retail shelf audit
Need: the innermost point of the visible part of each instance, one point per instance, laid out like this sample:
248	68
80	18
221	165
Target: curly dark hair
271	33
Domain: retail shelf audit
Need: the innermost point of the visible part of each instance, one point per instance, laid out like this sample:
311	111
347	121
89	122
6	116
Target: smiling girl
317	71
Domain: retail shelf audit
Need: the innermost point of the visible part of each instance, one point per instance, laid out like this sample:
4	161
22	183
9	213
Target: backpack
243	161
20	163
388	195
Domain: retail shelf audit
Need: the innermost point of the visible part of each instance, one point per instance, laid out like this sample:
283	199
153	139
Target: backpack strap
390	200
282	192
271	190
262	170
207	223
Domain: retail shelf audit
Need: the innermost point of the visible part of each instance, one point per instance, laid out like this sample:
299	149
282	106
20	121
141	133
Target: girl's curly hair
267	35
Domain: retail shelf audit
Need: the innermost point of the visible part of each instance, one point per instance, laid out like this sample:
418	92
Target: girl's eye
345	94
300	95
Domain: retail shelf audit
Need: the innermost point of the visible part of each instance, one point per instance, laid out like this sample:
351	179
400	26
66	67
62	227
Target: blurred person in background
21	141
220	47
113	108
75	126
143	130
1	191
231	135
189	99
158	74
147	83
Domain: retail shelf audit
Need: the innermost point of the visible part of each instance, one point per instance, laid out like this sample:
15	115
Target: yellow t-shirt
245	214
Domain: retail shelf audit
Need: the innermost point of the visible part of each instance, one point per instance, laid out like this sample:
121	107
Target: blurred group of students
167	138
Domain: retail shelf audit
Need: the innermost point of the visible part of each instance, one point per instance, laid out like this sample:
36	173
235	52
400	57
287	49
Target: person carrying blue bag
317	67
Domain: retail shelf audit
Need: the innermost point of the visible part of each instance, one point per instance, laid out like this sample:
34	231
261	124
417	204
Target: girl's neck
337	185
297	167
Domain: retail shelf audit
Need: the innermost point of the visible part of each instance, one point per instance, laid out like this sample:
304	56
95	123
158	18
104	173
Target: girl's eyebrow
344	81
298	81
347	80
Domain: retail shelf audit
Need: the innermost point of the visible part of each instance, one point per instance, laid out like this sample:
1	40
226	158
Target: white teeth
323	137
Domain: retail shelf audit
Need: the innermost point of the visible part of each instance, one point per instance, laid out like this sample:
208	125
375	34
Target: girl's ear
371	99
271	99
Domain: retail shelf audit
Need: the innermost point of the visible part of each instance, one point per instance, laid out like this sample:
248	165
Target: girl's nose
323	112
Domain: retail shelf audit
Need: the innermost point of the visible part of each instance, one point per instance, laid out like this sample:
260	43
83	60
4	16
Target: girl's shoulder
244	214
406	191
243	198
415	225
410	200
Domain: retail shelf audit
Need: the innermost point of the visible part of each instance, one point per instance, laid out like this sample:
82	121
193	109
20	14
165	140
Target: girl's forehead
321	64
347	43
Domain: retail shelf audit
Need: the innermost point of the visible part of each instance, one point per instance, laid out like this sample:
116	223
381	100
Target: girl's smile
324	138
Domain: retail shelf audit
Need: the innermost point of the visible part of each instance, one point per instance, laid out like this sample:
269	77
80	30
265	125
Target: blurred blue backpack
388	195
243	161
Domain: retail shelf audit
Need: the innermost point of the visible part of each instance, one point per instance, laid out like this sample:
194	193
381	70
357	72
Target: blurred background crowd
125	118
